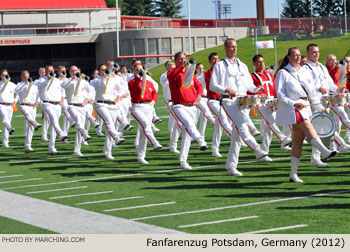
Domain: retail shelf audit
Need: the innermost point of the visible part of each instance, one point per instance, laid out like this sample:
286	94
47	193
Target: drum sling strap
266	83
226	64
307	94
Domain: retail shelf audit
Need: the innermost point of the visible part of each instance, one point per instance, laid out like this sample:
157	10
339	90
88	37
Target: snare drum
271	103
325	126
334	100
250	101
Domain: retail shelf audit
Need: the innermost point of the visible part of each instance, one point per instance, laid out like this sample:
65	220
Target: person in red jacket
184	99
333	69
221	119
143	98
268	123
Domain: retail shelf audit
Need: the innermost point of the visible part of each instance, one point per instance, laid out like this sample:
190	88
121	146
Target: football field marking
276	229
2	171
11	176
237	206
141	206
79	195
217	222
60	189
109	200
22	180
133	174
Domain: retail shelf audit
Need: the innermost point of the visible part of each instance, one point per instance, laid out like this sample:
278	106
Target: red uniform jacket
135	87
179	93
264	77
334	73
207	76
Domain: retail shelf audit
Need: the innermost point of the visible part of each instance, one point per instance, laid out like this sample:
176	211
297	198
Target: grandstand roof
49	4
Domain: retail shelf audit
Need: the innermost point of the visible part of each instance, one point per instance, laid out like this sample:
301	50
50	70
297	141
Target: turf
204	188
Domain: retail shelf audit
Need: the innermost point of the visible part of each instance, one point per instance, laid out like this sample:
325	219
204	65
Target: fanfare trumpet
7	77
51	74
142	73
192	61
82	76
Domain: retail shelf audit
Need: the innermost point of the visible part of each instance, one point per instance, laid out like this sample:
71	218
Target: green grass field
203	200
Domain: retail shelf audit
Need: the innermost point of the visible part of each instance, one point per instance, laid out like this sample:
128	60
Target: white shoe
96	124
119	140
318	163
157	147
155	129
53	151
100	134
244	144
344	148
87	138
78	154
109	157
115	146
6	146
72	124
174	150
256	133
347	140
62	137
287	148
44	139
266	159
185	166
28	148
128	127
202	145
65	141
37	126
142	161
286	142
294	178
85	143
305	142
259	153
216	154
234	172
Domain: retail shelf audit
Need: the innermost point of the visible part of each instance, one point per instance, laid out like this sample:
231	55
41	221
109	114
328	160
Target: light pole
117	23
279	17
312	21
189	26
345	18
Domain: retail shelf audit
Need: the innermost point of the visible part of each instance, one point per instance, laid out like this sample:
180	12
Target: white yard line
16	181
130	175
216	222
109	200
56	190
237	206
2	171
79	195
142	206
11	176
276	229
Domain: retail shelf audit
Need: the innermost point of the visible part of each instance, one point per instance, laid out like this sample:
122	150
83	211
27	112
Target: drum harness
266	83
307	94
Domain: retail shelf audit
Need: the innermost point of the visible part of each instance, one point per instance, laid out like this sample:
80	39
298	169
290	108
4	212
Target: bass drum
325	126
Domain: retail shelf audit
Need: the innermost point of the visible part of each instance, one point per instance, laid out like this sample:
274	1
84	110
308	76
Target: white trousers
143	115
187	117
108	113
250	123
240	130
174	127
269	126
45	126
29	114
53	113
67	118
88	114
78	115
221	123
205	115
6	113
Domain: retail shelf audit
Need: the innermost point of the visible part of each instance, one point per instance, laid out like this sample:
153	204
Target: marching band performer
202	106
268	124
99	133
323	85
294	94
143	97
184	101
221	119
107	96
45	125
67	118
28	95
78	93
7	102
173	124
51	97
231	78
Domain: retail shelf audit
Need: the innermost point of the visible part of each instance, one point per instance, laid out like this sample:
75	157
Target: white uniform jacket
289	91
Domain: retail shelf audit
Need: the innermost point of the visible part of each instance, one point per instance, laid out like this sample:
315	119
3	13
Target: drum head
324	125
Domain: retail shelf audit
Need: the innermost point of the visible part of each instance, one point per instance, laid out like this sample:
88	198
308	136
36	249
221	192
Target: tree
328	8
293	9
134	7
121	5
168	8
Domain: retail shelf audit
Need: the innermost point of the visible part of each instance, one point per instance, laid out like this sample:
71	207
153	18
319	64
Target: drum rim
332	132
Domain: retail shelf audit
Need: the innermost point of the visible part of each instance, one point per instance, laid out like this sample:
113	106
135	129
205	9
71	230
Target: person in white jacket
7	102
28	95
295	92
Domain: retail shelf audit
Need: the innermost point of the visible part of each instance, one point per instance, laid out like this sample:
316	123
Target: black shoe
11	131
333	154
